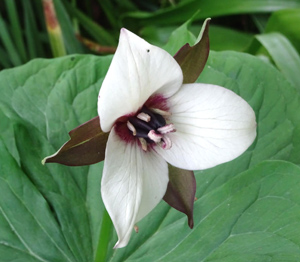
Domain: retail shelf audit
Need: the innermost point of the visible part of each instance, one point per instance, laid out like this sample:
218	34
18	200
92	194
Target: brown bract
192	59
181	191
86	146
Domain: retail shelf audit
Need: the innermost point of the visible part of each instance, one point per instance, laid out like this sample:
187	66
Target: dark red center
142	127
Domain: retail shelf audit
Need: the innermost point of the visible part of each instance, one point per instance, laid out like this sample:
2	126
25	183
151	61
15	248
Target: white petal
214	125
133	183
137	71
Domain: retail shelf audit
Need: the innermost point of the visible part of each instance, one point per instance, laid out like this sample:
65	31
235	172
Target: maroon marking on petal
157	101
123	132
124	119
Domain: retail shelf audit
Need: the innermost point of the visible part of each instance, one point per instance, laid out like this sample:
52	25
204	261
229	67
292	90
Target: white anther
166	129
143	116
143	143
154	137
167	143
131	128
160	112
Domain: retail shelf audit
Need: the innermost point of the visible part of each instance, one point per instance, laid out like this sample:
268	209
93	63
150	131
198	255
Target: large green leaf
252	217
40	103
54	213
29	231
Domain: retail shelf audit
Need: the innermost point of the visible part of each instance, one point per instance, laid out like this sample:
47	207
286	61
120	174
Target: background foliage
247	210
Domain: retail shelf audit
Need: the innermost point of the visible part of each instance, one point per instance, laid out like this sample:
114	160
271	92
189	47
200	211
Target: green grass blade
4	61
109	11
16	28
9	44
213	8
96	31
34	44
287	22
284	55
260	20
71	42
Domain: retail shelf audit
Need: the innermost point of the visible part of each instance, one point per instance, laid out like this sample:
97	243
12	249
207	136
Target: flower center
150	127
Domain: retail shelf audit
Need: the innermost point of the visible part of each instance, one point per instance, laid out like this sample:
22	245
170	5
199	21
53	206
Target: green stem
104	237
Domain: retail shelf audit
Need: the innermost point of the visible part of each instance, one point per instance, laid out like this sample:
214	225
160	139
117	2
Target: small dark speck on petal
148	50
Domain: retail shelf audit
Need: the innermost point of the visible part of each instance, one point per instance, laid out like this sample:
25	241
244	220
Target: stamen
156	119
131	128
143	116
160	112
143	143
154	136
167	143
166	129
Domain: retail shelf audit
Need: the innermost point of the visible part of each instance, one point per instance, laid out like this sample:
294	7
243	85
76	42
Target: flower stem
104	237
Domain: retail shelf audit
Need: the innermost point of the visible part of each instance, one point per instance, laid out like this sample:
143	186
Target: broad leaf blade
64	193
28	228
29	103
284	55
255	214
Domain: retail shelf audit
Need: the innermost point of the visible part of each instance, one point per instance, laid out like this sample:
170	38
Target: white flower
153	119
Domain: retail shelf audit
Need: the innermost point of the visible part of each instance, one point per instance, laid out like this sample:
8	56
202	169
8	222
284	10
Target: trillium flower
154	119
